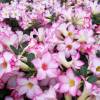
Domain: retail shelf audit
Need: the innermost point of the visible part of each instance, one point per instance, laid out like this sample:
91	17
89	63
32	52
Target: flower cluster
49	49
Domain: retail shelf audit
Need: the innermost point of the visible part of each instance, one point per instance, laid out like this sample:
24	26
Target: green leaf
52	17
29	73
3	93
63	1
84	70
77	72
36	24
28	30
98	53
13	23
92	79
16	51
30	56
96	19
24	44
5	1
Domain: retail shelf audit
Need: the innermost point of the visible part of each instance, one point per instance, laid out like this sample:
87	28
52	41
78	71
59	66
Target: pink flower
70	47
76	62
29	87
95	65
68	83
7	37
86	35
46	66
7	62
49	94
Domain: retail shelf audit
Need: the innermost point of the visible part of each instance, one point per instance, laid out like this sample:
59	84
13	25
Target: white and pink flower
68	83
46	66
7	62
29	87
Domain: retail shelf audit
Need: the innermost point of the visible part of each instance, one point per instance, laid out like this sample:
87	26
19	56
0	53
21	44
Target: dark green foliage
16	51
28	30
92	79
83	70
63	1
84	58
98	53
77	72
5	1
13	23
30	56
3	93
35	24
24	44
96	19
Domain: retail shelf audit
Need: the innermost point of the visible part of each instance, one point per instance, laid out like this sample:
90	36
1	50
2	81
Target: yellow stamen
71	83
98	68
29	85
69	47
70	33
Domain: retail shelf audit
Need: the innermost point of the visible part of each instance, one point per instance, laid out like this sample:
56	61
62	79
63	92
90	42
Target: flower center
29	85
70	33
4	64
69	46
71	83
98	69
44	66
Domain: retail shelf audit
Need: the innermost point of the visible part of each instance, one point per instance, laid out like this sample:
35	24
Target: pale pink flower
7	62
5	13
70	47
86	35
95	7
49	94
46	66
29	87
95	65
68	83
76	62
7	37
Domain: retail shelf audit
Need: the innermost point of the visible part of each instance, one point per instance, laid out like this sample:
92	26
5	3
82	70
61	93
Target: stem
24	50
67	97
84	95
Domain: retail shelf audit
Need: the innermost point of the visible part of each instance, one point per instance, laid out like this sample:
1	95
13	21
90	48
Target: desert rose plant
49	49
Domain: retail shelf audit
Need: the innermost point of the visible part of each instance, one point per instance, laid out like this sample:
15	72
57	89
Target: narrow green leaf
13	23
30	56
24	44
92	79
83	70
16	51
77	72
